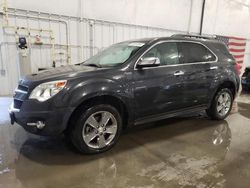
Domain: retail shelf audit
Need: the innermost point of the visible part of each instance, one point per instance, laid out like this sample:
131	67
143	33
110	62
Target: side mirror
148	62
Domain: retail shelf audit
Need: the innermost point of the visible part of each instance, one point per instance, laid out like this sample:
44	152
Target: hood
65	72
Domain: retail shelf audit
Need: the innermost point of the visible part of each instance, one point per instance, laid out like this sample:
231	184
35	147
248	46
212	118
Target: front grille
17	103
22	88
21	94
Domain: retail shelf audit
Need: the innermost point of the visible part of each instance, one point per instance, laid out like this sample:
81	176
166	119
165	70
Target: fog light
38	124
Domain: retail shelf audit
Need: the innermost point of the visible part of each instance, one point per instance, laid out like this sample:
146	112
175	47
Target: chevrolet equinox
129	83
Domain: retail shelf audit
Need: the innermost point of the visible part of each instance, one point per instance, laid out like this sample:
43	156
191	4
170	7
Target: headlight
47	90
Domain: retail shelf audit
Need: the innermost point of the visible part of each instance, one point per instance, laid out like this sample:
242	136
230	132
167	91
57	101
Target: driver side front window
166	52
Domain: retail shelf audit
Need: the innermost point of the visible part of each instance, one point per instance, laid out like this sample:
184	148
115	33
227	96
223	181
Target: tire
91	133
219	108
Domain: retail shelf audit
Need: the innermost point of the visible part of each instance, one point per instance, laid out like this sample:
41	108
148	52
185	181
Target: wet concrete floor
190	151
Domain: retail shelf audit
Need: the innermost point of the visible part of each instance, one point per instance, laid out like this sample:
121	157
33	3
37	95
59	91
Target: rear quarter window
222	49
194	52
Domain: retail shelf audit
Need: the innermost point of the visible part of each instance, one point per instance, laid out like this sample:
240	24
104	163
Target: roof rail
194	36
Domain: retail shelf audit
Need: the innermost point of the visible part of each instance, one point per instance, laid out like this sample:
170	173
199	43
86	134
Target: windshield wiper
93	65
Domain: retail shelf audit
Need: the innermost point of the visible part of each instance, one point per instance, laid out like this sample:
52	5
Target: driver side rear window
194	52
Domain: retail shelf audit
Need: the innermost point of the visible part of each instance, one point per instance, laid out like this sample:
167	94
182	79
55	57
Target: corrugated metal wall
76	39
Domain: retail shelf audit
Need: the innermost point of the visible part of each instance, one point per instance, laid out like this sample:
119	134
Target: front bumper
55	120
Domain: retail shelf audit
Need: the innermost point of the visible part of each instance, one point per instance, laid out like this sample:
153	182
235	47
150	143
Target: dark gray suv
129	83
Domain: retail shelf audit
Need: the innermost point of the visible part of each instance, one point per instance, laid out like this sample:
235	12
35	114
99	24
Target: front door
158	90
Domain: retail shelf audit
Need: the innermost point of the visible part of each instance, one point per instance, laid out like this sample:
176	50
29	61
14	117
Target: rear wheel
96	129
221	104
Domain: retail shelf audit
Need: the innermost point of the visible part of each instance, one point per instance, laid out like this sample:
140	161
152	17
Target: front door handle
178	73
213	68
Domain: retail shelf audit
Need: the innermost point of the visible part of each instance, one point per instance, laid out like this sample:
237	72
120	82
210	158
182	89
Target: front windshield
114	55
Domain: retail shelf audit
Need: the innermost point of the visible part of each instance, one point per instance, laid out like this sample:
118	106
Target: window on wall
194	52
167	53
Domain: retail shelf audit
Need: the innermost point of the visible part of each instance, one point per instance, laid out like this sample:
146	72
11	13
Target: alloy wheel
99	129
224	103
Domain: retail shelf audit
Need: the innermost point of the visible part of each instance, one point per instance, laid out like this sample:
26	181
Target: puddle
6	170
3	169
244	109
186	171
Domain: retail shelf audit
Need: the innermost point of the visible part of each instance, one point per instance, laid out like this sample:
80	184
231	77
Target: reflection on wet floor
244	109
190	151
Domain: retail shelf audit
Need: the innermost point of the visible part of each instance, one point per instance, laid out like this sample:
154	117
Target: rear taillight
238	67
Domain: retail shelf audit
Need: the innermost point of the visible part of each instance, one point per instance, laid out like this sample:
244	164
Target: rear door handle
213	68
178	73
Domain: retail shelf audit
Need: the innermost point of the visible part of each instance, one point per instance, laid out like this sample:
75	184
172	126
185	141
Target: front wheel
221	104
97	129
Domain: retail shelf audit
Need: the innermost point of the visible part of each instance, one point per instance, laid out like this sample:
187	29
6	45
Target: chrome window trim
165	41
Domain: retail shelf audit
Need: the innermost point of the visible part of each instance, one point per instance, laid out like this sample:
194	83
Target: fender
220	80
91	88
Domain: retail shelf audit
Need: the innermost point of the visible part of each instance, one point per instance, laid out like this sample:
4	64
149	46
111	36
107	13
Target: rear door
196	59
